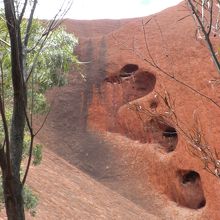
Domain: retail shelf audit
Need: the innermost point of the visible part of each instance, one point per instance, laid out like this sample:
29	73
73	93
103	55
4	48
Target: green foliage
55	59
26	144
46	65
40	105
49	64
37	150
37	154
30	200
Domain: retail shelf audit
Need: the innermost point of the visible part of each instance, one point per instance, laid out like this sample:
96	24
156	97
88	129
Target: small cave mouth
163	134
145	81
128	70
170	132
190	191
201	204
113	79
190	177
153	104
169	138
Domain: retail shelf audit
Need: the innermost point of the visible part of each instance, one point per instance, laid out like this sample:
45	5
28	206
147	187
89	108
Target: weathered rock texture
118	77
93	127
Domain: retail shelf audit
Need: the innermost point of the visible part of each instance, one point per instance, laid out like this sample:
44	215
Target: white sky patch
104	9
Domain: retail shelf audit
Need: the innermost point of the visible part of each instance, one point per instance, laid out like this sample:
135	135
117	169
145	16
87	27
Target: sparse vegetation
34	56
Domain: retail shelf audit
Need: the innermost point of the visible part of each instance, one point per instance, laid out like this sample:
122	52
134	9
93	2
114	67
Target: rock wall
119	76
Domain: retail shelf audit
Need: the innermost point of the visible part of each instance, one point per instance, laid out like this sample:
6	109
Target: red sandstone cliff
93	129
171	41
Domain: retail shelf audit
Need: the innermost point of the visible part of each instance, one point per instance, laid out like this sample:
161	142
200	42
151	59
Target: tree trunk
11	178
13	198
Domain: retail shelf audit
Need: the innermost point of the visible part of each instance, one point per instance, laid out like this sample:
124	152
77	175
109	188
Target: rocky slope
137	165
119	75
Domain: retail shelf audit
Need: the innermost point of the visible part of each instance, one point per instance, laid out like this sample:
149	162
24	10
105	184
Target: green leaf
37	154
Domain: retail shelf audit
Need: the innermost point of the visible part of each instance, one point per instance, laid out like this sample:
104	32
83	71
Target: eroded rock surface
94	127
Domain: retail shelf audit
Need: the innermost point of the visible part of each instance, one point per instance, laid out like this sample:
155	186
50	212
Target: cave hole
190	191
113	79
145	81
153	104
159	131
201	204
170	138
190	177
128	70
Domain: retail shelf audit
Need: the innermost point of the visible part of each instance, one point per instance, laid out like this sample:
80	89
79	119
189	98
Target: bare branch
4	42
164	72
53	24
30	147
197	144
7	141
211	17
43	123
145	40
36	58
206	34
29	24
23	11
184	17
165	46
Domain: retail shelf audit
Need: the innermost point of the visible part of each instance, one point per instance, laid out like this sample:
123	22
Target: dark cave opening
190	191
190	177
145	81
128	70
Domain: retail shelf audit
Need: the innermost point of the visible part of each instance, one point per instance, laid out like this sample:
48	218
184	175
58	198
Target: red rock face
119	78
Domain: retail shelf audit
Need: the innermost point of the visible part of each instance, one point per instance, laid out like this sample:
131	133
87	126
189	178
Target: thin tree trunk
13	198
11	179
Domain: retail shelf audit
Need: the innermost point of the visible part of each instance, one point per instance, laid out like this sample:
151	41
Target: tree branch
4	42
30	147
206	34
7	141
29	24
22	12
